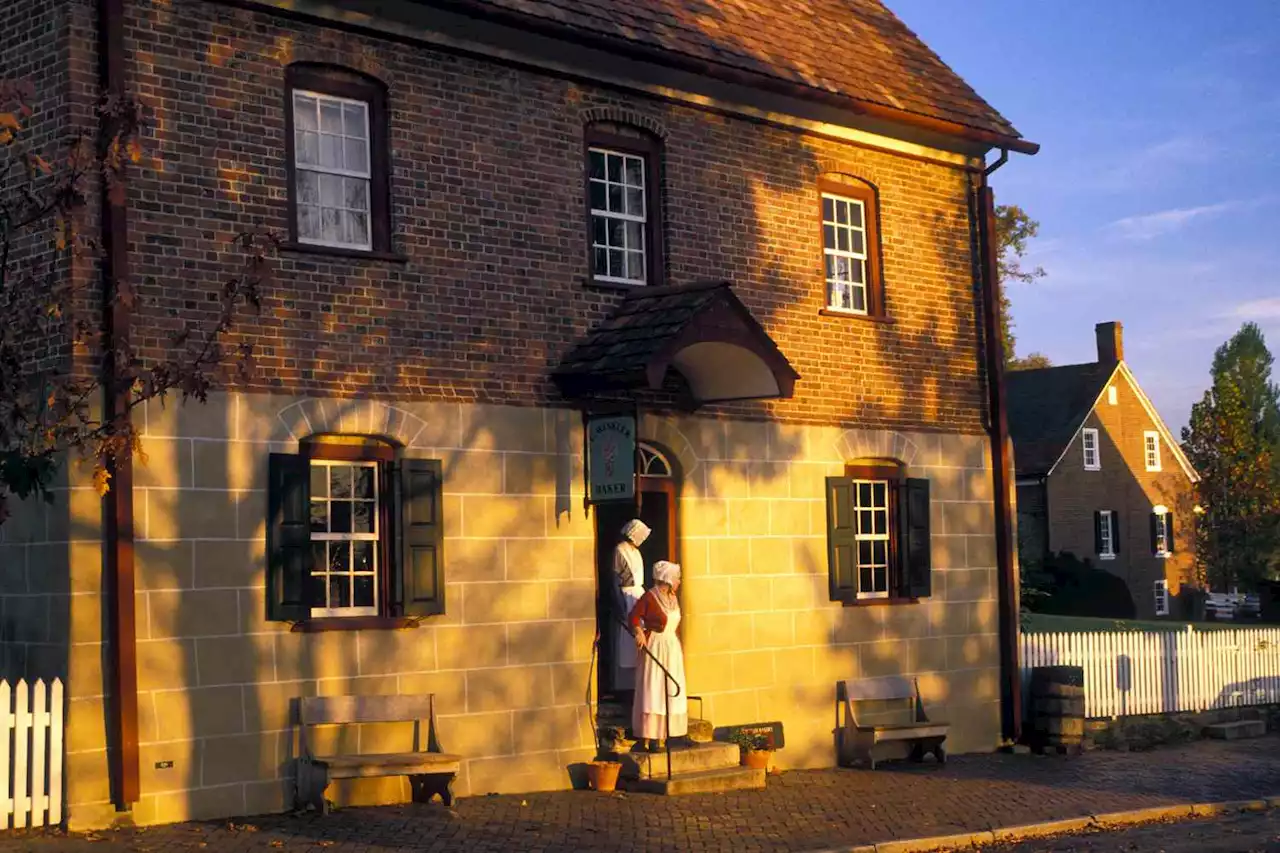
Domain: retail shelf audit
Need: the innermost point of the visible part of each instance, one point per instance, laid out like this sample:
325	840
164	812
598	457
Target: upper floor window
878	534
1089	442
1151	449
337	159
1112	395
850	247
624	222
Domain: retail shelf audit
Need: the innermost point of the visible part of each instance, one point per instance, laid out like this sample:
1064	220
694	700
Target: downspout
122	647
1002	463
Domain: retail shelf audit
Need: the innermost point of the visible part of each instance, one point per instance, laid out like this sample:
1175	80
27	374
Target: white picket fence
30	754
1141	672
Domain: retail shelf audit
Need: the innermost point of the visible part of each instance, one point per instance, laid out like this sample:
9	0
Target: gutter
1001	459
122	645
730	74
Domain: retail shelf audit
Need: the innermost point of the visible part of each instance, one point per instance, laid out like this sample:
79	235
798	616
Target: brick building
1101	477
476	197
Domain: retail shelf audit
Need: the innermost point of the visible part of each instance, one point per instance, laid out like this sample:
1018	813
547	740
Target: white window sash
1089	446
375	536
1151	450
1108	536
366	175
1162	598
885	537
848	254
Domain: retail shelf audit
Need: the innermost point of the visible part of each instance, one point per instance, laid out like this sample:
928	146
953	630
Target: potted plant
756	749
602	774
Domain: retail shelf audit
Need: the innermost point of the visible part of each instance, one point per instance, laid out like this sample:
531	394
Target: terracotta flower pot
757	759
603	775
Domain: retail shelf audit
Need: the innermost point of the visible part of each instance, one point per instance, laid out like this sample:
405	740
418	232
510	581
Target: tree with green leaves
1014	229
1233	441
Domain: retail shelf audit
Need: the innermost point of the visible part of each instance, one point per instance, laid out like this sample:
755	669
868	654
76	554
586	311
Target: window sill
865	318
337	252
876	602
613	286
1166	555
1097	468
355	623
1106	556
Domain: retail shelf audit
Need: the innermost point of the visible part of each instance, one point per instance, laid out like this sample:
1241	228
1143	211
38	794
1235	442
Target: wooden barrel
1057	707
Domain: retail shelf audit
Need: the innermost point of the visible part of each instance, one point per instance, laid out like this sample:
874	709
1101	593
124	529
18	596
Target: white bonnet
635	531
666	572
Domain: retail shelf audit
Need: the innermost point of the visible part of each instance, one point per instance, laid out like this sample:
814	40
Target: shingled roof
701	331
1047	407
856	49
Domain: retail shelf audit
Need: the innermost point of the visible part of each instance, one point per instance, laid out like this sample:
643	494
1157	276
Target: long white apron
651	685
627	558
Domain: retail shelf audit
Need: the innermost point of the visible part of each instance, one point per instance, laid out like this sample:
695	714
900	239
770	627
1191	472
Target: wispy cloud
1257	310
1149	225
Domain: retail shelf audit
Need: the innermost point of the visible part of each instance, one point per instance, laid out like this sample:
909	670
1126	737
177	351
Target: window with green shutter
354	532
878	545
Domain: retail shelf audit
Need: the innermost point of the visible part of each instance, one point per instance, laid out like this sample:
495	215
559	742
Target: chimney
1110	342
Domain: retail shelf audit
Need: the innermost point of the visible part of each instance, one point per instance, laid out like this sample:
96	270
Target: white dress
627	558
647	712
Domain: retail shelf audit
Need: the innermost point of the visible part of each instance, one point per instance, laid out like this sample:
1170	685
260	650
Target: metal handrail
667	696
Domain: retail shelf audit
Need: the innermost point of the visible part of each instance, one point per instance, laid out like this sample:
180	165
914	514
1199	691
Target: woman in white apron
628	575
661	708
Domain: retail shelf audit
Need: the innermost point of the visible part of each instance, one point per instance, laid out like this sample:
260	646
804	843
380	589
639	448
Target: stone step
715	781
1236	731
684	759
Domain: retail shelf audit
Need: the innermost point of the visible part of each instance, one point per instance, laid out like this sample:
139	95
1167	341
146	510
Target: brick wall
488	208
1033	524
1123	485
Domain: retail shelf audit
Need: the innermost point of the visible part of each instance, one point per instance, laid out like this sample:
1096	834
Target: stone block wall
510	659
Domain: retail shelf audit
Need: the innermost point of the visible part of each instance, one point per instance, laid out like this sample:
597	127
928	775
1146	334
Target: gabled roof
1046	409
702	331
850	49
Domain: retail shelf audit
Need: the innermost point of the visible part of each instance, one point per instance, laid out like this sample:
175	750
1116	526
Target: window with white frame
1106	535
845	245
871	509
1151	449
1161	531
333	170
1089	442
1162	597
344	538
618	194
1111	395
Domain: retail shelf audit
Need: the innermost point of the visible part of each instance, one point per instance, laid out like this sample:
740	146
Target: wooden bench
430	771
905	720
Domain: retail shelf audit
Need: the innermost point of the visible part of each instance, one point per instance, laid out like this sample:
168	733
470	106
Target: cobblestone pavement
1238	833
802	810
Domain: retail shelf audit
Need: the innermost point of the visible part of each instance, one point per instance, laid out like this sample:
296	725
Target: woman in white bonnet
628	587
660	708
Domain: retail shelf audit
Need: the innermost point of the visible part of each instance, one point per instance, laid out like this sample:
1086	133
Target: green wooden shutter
421	531
914	539
1155	520
288	537
1168	531
1115	531
842	547
1097	532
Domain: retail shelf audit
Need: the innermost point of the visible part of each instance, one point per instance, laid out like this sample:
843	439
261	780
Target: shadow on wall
216	680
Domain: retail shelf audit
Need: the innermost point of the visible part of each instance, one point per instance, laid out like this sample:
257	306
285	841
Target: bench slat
335	710
393	764
873	689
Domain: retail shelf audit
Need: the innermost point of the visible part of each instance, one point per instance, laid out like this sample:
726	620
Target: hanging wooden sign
611	458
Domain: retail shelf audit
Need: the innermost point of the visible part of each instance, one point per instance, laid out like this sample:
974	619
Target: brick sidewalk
803	810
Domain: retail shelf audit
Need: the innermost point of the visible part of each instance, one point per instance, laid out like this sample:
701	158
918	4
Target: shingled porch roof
701	331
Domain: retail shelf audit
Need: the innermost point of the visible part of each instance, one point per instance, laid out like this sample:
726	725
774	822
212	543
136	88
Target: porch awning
701	331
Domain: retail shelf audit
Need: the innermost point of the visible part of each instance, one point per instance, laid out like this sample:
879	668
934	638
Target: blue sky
1158	183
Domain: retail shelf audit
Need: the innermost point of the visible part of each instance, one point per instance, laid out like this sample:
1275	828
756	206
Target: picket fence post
31	720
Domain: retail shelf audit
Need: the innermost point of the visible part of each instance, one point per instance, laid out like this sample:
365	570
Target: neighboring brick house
1100	475
478	196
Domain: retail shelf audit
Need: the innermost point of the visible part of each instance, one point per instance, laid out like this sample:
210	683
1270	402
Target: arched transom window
652	463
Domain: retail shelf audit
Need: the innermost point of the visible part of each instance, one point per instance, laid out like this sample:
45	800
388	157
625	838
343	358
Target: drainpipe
122	647
1006	571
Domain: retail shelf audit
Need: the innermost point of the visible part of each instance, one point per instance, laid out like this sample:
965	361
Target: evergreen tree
1233	440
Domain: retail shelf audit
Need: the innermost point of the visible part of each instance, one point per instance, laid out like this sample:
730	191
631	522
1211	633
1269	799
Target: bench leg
940	753
426	786
917	752
312	782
